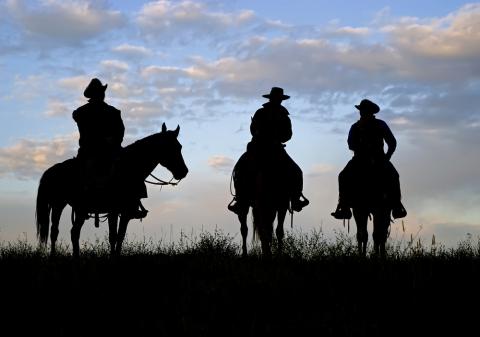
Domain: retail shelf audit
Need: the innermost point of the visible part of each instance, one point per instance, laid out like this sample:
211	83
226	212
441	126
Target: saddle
99	191
96	186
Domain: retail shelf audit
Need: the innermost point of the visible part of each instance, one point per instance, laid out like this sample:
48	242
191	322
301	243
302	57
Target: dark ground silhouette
204	294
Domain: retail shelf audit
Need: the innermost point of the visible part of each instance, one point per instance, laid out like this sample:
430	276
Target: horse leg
265	230
56	215
112	231
78	222
381	222
244	230
122	230
361	220
279	232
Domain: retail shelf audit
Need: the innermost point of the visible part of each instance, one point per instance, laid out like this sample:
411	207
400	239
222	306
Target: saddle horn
164	127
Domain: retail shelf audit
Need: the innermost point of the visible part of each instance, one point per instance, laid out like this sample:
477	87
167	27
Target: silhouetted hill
203	288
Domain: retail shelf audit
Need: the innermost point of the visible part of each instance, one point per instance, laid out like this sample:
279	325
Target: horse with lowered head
60	186
269	199
373	196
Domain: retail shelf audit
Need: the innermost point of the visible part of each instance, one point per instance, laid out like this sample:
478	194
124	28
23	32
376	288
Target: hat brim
372	109
92	90
283	97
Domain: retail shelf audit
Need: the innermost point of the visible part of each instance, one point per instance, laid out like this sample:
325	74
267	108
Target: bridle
161	182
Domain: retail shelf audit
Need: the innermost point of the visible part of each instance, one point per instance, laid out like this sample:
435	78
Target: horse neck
143	154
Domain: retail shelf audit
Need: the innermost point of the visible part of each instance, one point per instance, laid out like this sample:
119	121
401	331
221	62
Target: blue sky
205	64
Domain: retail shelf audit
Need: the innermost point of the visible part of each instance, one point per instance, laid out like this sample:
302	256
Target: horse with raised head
59	186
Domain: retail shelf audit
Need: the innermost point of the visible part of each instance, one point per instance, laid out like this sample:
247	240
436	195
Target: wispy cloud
221	163
188	20
27	159
64	22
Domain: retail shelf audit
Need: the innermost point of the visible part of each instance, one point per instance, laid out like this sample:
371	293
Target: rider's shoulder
381	123
278	108
112	108
79	111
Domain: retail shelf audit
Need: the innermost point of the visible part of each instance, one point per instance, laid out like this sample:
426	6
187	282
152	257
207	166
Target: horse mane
141	146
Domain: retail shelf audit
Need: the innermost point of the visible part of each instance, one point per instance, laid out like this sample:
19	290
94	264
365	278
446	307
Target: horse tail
43	207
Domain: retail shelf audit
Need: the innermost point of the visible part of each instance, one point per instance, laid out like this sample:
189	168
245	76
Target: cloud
221	163
74	83
187	21
27	159
439	48
56	108
63	22
115	65
320	170
132	51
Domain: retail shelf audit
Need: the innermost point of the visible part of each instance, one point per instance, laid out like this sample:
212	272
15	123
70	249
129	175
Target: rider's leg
296	187
135	209
398	210
344	186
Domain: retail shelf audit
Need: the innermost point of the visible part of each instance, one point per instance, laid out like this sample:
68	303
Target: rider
366	138
271	127
101	131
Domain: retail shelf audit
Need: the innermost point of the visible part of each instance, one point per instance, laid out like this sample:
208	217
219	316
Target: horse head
171	154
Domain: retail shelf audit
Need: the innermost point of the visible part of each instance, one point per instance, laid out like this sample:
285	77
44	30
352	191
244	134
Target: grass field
202	287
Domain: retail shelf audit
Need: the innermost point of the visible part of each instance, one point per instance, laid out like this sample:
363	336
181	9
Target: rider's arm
254	128
389	140
285	129
352	139
119	128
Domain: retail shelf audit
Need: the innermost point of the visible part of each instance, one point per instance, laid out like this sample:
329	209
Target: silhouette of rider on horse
366	139
101	131
270	127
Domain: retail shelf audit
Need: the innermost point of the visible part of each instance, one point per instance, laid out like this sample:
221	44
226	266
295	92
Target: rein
161	182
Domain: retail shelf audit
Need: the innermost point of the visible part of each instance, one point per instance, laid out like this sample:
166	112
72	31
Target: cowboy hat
368	106
94	88
276	92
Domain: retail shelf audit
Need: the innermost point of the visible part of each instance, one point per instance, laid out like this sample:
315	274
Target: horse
269	199
59	186
372	196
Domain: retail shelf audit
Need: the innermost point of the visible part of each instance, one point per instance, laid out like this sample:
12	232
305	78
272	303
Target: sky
204	65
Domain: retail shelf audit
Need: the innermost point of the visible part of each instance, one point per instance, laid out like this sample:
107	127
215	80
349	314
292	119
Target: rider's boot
299	202
140	211
342	212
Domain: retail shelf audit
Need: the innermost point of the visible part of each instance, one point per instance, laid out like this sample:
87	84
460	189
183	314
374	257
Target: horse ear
164	127
177	130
